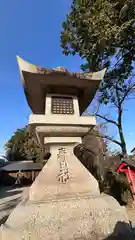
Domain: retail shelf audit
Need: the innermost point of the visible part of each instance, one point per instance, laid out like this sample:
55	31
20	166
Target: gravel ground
9	198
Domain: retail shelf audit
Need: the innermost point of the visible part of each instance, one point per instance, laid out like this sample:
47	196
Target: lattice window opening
61	105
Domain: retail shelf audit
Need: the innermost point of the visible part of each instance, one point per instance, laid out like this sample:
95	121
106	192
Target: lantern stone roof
37	82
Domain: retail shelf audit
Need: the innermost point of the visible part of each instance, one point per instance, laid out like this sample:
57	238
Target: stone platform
85	217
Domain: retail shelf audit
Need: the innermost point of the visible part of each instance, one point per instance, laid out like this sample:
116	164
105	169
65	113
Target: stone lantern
64	202
57	99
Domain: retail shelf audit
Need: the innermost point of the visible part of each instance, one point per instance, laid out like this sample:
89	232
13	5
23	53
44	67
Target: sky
31	29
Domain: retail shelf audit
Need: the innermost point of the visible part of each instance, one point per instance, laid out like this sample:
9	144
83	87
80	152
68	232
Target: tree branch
124	55
132	87
107	137
108	120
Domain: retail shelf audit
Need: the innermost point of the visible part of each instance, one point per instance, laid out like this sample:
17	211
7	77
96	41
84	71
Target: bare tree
118	95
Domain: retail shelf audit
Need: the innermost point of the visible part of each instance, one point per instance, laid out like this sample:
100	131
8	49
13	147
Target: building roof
22	166
39	81
133	150
130	162
3	163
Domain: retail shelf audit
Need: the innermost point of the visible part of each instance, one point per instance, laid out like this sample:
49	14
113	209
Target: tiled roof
133	150
22	166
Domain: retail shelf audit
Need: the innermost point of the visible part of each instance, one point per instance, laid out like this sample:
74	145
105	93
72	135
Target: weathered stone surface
48	186
67	219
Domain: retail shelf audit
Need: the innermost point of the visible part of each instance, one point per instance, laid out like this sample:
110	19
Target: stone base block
86	218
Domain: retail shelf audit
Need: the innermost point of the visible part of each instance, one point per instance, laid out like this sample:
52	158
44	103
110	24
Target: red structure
128	167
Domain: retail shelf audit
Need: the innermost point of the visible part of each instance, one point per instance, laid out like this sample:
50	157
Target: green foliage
23	145
102	32
99	30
